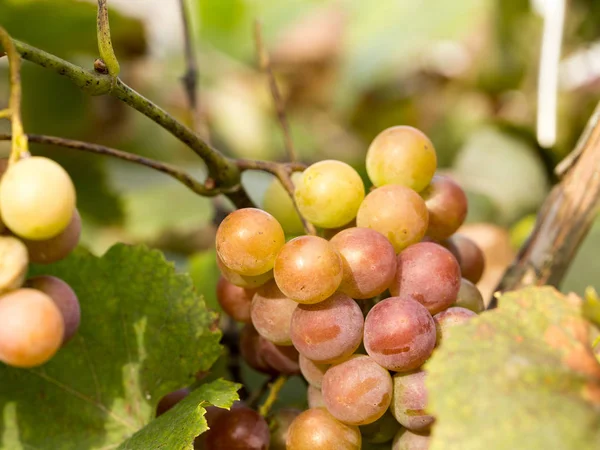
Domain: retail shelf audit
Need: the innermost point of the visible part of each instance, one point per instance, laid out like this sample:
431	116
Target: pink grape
447	206
316	429
407	440
234	300
238	429
314	397
469	297
312	371
272	314
266	357
410	400
449	318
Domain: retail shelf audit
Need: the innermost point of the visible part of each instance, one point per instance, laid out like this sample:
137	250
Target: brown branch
563	221
265	66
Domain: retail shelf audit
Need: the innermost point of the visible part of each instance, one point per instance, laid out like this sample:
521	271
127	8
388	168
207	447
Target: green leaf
144	332
522	376
177	428
591	306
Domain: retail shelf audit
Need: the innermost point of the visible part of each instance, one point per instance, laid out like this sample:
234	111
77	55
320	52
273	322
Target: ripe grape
13	263
312	371
243	281
31	328
37	198
401	155
271	314
329	193
450	318
315	397
280	422
357	391
410	400
382	430
278	202
369	262
328	331
470	257
266	357
447	206
469	297
238	429
64	298
234	300
58	247
170	400
316	429
428	273
399	334
248	241
308	269
211	415
397	212
407	440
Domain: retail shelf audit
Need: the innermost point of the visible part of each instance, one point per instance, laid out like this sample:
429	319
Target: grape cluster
39	223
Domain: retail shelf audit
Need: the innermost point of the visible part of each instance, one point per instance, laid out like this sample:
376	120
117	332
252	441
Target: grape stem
19	146
274	389
105	47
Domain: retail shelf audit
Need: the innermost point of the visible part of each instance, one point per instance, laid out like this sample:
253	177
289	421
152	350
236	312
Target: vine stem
19	146
107	52
274	390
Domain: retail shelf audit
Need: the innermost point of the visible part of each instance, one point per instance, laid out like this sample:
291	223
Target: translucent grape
31	328
64	298
369	262
316	429
399	334
13	263
397	212
37	198
308	269
407	440
272	314
248	241
279	423
266	357
312	371
238	429
447	206
243	281
58	247
428	273
410	400
470	257
329	193
235	301
278	202
382	430
357	391
469	297
449	318
328	331
401	155
315	397
170	400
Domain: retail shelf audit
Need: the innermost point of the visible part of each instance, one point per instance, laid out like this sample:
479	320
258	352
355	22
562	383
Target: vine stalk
105	48
274	389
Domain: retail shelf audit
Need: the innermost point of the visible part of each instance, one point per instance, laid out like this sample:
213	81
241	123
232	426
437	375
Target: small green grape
279	204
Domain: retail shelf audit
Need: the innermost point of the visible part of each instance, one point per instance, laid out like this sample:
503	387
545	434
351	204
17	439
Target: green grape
248	241
279	423
397	212
58	247
401	155
469	297
37	198
316	429
382	430
13	263
278	202
329	193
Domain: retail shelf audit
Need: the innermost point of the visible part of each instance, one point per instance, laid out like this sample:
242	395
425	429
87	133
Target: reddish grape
369	262
234	300
357	391
312	371
450	318
211	415
382	430
58	247
170	400
316	429
238	429
470	256
399	334
248	241
428	273
266	357
328	331
279	423
243	281
315	397
410	400
447	206
397	212
407	440
272	314
469	297
308	269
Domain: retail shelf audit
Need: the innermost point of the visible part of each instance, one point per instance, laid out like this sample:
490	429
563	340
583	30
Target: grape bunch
39	223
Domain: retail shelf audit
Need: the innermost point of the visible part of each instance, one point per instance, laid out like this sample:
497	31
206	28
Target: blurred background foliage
465	72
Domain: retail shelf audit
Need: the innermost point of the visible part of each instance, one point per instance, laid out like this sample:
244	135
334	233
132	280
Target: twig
180	175
274	389
107	53
257	395
5	113
265	65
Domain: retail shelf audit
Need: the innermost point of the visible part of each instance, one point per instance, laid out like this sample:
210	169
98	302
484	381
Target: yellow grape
13	263
37	198
316	429
278	202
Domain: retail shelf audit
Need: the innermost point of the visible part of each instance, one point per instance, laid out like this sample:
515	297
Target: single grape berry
470	257
248	241
329	193
407	440
401	155
449	318
395	211
469	297
31	328
58	247
316	429
382	430
170	400
13	263
37	198
271	313
410	400
279	423
308	269
312	372
447	206
243	281
234	300
238	429
278	203
266	357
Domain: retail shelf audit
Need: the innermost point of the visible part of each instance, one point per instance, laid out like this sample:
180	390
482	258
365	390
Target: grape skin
401	155
238	429
397	212
13	263
357	391
271	314
470	257
235	301
399	334
369	262
429	274
382	430
58	247
328	331
243	281
248	241
308	269
312	371
329	193
407	440
266	357
31	328
315	397
316	429
447	206
410	400
279	423
450	318
278	203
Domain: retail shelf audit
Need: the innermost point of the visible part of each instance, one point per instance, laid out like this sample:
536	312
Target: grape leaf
521	376
144	332
177	428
